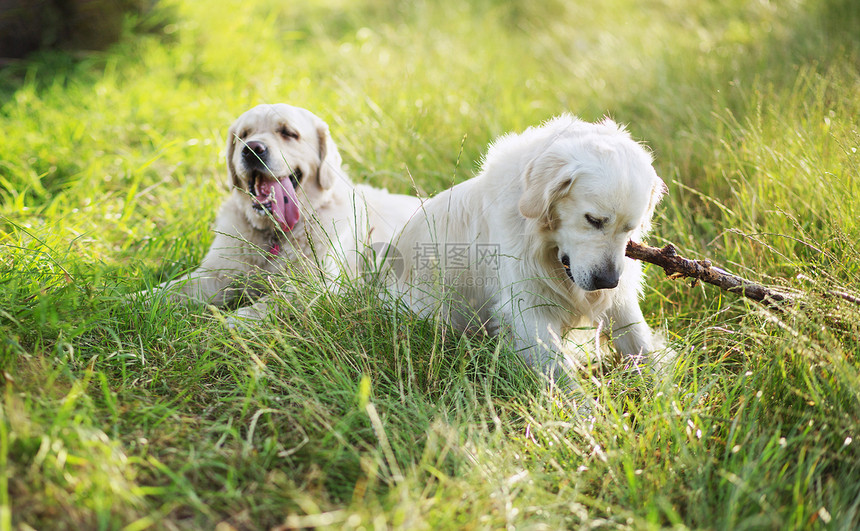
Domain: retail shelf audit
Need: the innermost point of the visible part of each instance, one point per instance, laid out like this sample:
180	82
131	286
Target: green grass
348	414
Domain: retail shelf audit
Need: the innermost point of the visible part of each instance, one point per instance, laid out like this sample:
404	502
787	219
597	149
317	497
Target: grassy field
350	415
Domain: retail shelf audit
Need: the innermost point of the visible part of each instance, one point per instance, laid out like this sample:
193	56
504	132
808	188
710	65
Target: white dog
291	206
535	243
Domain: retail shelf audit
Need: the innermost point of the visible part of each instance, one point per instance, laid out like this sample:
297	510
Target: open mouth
565	261
260	187
276	198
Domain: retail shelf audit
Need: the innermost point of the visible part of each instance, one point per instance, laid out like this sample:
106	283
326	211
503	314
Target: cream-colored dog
291	207
535	243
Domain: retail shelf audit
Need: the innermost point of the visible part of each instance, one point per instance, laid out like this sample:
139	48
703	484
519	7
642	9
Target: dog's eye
288	133
597	223
244	134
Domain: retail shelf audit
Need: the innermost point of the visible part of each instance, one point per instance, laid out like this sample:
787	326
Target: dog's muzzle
606	278
273	195
255	155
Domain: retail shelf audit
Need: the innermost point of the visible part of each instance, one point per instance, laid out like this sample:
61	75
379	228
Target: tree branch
677	266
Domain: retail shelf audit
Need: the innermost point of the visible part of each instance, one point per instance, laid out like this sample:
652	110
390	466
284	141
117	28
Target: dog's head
283	159
592	188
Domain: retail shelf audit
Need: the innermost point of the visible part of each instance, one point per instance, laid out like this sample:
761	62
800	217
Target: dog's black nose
255	153
604	280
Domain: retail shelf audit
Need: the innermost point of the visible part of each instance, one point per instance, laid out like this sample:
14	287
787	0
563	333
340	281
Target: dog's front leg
210	282
202	286
628	330
537	342
545	351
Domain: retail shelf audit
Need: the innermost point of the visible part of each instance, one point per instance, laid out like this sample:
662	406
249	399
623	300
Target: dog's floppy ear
330	161
658	190
544	181
232	140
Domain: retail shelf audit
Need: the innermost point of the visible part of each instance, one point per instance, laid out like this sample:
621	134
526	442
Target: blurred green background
111	173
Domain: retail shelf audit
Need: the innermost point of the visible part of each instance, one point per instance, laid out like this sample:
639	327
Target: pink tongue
285	207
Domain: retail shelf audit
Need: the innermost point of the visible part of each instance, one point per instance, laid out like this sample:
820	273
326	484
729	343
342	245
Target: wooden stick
677	266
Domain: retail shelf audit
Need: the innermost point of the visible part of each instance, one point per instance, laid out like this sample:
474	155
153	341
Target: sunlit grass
347	413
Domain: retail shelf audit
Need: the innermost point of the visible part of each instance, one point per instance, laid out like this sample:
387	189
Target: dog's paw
255	312
247	315
234	323
141	298
662	358
158	295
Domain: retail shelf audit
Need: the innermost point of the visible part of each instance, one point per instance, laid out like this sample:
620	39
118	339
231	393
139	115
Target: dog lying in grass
291	207
534	244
